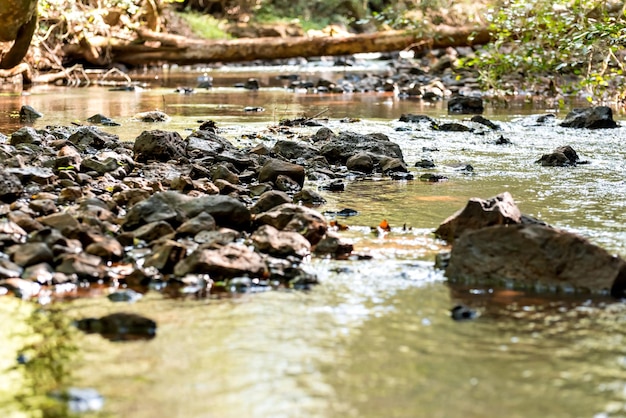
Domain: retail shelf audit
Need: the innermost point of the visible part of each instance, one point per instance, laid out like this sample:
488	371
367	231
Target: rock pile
79	205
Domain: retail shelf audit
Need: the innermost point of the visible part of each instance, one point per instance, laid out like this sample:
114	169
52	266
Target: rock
274	167
120	327
100	119
91	138
202	222
462	313
453	127
124	295
484	121
339	149
158	145
153	230
203	143
361	162
84	266
480	213
332	244
409	117
108	248
536	257
293	150
425	163
25	135
10	187
227	211
270	240
228	261
152	116
560	157
39	175
308	197
286	184
465	105
269	200
162	206
599	117
32	253
291	217
165	256
28	114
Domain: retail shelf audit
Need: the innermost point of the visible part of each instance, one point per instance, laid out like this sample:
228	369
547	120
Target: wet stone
269	200
32	253
277	243
153	231
28	114
201	222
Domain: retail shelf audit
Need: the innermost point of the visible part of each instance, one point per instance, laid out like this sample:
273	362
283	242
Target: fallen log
160	47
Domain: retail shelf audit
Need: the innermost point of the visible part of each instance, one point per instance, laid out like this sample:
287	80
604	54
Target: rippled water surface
375	338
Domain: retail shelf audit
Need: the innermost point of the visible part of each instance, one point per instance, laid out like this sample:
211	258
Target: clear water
375	338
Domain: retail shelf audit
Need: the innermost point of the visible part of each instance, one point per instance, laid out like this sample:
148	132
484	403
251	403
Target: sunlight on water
375	339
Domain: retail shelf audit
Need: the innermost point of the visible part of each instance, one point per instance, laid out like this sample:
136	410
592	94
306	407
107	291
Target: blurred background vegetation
577	45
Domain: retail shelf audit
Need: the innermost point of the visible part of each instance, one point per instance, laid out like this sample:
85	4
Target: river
375	338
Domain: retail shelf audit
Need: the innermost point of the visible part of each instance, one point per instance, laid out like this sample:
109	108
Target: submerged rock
120	327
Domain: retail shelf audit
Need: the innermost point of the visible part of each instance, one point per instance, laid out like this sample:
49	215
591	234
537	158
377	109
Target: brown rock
270	240
535	256
229	261
292	217
479	213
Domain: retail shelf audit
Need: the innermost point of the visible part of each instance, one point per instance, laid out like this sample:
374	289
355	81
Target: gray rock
152	116
158	145
84	266
347	144
599	117
227	211
28	114
26	135
293	150
91	139
10	187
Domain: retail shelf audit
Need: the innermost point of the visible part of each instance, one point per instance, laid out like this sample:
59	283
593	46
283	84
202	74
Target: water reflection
43	362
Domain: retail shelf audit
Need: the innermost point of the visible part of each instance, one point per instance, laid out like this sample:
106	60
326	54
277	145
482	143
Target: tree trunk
182	50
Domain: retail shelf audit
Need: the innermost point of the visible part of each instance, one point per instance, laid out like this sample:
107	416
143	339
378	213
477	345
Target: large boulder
598	117
534	256
480	213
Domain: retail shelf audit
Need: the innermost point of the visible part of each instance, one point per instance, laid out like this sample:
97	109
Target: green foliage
205	26
573	42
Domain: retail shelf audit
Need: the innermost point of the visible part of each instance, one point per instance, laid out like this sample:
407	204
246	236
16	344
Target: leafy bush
575	43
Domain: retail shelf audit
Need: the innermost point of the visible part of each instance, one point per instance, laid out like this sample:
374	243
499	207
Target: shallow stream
375	338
